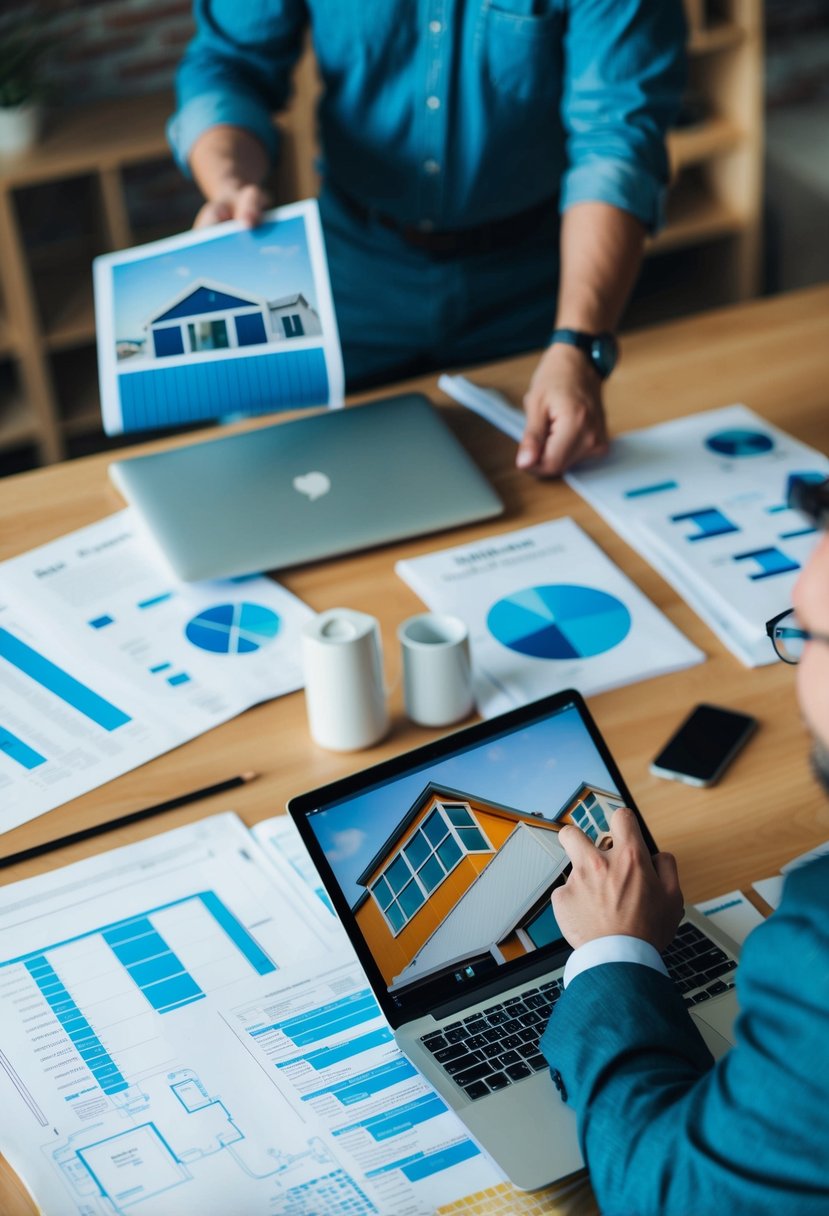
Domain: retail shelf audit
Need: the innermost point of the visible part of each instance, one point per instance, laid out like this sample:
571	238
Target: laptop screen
443	864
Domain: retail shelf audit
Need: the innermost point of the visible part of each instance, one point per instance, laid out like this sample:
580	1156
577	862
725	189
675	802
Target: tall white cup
343	667
437	673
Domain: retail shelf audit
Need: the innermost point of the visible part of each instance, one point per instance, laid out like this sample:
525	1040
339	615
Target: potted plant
22	86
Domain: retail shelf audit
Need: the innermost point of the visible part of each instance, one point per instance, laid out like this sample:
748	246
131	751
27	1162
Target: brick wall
108	48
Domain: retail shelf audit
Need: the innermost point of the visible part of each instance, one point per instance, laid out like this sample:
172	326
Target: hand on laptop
565	415
623	889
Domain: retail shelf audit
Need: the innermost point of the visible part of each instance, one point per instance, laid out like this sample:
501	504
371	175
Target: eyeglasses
789	638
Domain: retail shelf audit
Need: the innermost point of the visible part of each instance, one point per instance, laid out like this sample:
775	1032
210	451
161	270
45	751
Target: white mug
437	672
343	667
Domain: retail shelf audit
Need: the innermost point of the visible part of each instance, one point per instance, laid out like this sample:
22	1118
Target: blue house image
209	316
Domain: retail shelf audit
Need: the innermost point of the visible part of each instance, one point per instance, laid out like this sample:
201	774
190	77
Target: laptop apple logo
313	484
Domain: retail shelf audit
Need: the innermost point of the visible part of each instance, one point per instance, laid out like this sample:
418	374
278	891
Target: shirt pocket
522	54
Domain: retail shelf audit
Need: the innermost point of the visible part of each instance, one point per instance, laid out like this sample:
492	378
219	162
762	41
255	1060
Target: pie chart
739	443
233	628
559	621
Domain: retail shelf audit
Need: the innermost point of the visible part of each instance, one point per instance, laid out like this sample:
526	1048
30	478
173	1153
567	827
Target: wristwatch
600	350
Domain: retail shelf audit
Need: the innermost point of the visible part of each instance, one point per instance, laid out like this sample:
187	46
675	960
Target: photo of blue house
209	316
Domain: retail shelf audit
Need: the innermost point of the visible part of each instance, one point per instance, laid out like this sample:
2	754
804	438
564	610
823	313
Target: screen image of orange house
463	884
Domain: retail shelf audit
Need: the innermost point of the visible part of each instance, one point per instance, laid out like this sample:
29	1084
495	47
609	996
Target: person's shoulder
808	885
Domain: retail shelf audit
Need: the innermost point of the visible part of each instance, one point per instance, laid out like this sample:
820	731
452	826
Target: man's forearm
224	159
601	251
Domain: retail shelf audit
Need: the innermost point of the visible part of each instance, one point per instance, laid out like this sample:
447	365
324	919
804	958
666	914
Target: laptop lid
307	489
441	862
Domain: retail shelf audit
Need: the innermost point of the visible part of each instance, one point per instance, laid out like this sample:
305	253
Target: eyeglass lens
790	639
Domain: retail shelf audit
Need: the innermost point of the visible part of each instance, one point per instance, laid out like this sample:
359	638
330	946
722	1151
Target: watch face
604	352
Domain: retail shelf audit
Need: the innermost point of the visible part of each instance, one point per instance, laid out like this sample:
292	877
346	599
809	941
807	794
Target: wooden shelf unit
48	385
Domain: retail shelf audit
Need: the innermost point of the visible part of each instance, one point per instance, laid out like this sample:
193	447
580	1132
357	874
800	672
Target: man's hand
228	164
246	204
622	889
565	415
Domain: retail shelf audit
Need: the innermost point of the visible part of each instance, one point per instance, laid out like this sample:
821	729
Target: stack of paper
547	610
703	499
186	1029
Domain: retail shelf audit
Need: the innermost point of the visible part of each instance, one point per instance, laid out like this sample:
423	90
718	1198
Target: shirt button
433	102
435	27
431	167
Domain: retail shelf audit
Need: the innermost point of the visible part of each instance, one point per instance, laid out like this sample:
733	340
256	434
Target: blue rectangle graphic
402	1119
156	599
357	1089
189	392
326	1020
326	1056
100	622
160	667
181	678
238	934
14	747
58	682
658	488
171	992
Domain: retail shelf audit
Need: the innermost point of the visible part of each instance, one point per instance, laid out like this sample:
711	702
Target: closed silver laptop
308	489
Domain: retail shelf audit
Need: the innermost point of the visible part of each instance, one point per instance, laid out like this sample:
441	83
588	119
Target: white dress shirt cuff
616	948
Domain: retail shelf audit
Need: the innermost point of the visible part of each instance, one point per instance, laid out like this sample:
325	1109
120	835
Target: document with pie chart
106	660
703	499
546	610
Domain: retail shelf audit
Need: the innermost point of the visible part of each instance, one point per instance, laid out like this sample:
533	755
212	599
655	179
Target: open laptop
307	489
440	864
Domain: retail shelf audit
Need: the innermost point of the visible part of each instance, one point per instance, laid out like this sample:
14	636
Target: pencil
38	850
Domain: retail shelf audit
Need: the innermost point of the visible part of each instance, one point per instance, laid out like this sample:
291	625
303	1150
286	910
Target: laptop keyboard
498	1046
698	967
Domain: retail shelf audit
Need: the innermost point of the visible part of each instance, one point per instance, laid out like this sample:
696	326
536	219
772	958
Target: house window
292	326
168	341
543	928
431	852
208	335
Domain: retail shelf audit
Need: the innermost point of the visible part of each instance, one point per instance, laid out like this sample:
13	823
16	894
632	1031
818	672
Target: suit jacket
663	1128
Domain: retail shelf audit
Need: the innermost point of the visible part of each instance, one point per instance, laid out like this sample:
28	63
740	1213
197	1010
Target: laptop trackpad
715	1022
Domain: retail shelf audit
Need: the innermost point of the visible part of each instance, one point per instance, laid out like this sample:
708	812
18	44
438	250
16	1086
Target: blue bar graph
423	1165
17	750
181	678
770	562
658	488
156	599
326	1056
100	622
237	933
75	1025
357	1089
58	682
708	521
328	1019
160	667
402	1119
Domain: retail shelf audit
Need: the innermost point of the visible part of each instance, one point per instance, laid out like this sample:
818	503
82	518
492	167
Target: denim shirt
450	113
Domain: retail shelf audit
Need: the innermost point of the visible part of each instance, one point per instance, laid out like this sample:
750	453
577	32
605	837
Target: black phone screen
705	742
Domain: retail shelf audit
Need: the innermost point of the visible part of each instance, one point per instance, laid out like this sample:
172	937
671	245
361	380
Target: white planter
19	128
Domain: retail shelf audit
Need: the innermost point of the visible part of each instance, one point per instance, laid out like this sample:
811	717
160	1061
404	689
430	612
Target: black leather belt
499	234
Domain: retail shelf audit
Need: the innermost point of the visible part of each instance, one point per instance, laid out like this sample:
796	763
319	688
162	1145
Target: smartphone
704	745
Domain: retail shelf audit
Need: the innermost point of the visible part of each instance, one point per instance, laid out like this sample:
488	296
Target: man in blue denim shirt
454	134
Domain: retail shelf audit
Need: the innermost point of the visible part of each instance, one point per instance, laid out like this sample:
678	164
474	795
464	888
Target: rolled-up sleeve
236	70
624	75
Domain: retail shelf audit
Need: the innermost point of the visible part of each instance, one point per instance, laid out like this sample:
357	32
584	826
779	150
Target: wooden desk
773	356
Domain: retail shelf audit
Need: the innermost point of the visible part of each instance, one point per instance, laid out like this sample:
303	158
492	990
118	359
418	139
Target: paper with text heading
107	660
547	610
